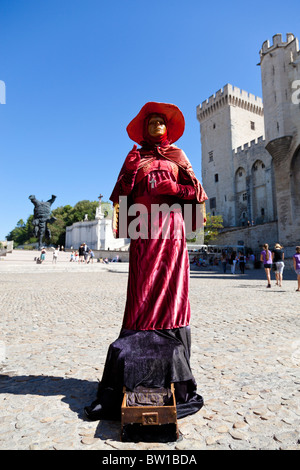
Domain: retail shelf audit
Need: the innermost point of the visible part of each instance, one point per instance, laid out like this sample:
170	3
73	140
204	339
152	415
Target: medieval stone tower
251	149
280	69
236	168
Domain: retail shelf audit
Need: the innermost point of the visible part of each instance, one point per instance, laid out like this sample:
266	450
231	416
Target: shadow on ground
77	393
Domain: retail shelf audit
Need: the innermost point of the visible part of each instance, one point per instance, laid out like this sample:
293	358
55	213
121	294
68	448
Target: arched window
259	192
240	180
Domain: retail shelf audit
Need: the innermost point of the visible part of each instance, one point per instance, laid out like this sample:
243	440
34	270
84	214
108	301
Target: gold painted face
156	126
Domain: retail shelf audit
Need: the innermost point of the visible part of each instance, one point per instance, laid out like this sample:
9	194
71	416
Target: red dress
158	283
153	348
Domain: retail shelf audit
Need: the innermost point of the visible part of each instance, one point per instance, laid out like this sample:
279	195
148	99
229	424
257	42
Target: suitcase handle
149	419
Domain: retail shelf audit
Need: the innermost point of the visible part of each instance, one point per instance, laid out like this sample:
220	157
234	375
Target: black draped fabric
150	359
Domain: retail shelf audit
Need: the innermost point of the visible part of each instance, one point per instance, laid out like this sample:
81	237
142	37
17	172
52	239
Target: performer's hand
133	159
166	187
171	188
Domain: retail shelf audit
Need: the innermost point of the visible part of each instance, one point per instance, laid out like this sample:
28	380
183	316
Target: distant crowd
236	261
271	261
83	255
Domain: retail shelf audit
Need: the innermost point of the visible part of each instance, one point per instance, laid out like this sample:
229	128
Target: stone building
280	68
251	151
97	233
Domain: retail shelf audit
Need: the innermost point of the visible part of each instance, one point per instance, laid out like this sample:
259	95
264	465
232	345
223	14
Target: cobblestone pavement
57	322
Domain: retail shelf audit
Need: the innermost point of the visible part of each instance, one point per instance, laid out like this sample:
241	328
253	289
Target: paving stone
88	440
239	435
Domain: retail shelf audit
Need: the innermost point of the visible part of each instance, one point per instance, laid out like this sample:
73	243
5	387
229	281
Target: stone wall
253	237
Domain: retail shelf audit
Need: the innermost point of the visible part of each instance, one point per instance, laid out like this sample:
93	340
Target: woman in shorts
278	260
296	260
266	259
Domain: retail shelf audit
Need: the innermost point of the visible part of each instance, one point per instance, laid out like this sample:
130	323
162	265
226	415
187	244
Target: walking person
266	258
242	262
86	251
296	261
55	255
91	255
233	259
224	261
81	253
278	260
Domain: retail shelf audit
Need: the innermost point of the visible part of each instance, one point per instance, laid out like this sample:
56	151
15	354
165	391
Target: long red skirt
158	282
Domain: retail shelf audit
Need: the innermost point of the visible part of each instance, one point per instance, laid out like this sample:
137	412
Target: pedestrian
252	260
86	253
55	255
242	262
278	260
81	253
224	261
296	261
266	259
234	259
43	254
91	255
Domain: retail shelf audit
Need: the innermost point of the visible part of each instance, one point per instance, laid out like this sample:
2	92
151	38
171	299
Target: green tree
213	224
19	233
82	208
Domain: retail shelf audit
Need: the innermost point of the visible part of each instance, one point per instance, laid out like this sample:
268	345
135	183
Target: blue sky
77	71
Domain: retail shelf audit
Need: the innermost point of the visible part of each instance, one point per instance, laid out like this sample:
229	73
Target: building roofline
232	96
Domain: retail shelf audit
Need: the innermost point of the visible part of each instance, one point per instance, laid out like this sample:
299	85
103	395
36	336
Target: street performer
154	345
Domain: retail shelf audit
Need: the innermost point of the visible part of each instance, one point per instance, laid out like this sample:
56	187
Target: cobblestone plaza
57	322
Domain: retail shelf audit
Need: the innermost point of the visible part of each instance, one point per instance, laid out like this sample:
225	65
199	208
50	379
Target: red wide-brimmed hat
175	121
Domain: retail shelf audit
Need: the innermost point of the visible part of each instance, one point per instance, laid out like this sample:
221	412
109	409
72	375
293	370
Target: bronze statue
42	217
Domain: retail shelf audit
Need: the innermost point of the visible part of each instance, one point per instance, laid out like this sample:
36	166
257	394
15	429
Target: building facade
97	234
280	69
251	148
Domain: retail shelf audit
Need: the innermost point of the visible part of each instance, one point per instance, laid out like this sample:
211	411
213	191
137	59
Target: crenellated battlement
253	145
290	42
232	96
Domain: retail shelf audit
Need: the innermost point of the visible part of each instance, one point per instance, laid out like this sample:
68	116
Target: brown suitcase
149	415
